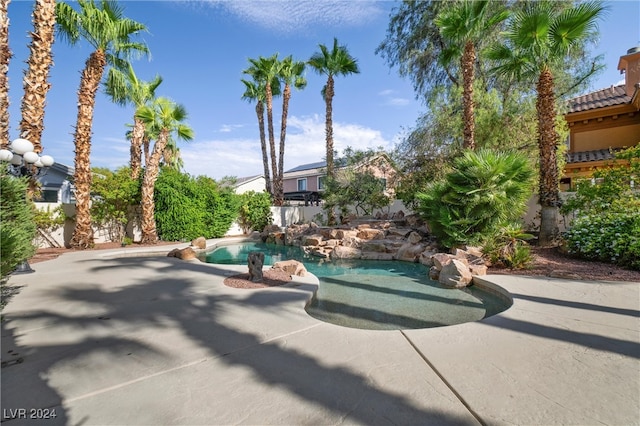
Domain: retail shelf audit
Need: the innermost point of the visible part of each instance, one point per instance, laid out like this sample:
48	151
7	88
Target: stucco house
306	181
250	183
603	121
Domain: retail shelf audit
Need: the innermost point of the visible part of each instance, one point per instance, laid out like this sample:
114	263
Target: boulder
370	234
376	256
185	254
478	269
455	274
375	246
353	242
414	237
409	252
434	273
275	238
426	257
291	267
440	259
312	240
398	232
199	243
342	252
341	234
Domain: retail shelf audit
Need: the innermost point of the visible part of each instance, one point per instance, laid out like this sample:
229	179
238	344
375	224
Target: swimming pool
377	295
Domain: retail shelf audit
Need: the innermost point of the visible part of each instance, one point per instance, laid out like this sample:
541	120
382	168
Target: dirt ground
546	261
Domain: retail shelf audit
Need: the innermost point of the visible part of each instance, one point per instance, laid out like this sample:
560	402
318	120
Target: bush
187	207
508	247
17	226
113	195
484	191
254	211
611	237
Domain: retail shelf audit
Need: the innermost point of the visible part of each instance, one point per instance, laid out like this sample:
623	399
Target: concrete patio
126	339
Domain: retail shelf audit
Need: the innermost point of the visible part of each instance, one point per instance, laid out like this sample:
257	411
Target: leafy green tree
115	194
465	24
17	225
539	39
356	185
109	33
255	211
485	190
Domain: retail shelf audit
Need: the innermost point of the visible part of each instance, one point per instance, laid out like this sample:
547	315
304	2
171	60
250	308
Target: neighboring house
250	183
603	121
306	182
55	186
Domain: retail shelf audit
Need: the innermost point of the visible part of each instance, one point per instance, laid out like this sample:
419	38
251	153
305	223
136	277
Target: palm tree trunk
36	83
263	145
152	168
145	146
89	84
328	98
468	66
547	144
272	142
5	57
137	138
286	96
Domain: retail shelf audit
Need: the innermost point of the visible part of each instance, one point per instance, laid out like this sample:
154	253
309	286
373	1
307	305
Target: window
302	184
321	183
47	196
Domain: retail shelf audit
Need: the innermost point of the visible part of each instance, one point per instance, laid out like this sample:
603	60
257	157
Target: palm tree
336	61
163	118
35	82
255	91
265	71
465	24
290	74
539	38
106	29
5	57
124	88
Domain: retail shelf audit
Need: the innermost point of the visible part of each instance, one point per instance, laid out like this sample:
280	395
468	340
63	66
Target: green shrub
17	225
610	237
484	191
114	193
254	211
187	207
508	247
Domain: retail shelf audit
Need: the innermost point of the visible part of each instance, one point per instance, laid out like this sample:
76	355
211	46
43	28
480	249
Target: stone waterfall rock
199	243
291	267
455	274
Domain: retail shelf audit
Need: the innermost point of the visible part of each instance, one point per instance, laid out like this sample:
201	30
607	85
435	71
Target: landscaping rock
342	252
185	254
434	273
199	243
455	274
409	252
375	246
415	238
440	259
376	256
313	240
426	257
478	269
370	234
291	267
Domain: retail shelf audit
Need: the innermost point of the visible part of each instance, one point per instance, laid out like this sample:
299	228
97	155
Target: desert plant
484	191
508	247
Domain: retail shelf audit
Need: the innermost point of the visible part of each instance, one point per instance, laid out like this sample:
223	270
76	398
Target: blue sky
201	48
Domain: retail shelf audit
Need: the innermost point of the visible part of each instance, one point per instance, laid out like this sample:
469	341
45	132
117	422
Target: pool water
378	295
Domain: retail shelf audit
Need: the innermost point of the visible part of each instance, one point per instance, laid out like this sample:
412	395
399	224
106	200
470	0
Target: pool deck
124	339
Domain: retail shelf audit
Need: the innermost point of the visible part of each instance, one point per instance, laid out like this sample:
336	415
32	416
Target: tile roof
614	95
587	156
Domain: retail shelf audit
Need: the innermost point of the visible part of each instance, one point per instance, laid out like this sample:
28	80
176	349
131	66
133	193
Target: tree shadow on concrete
204	313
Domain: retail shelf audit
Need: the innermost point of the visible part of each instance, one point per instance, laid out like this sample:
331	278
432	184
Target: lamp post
24	162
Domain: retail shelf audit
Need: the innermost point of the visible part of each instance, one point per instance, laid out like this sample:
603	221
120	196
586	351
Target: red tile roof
614	95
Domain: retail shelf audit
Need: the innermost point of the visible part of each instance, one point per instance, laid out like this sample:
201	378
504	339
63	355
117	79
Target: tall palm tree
105	28
291	73
464	24
5	57
336	61
163	119
124	87
36	78
256	92
265	71
539	38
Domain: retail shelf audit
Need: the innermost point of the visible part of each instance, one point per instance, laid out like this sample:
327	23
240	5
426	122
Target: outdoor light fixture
24	162
22	158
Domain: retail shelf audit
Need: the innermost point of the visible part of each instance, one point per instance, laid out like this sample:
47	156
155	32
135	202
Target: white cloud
398	101
391	100
305	144
288	16
228	128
